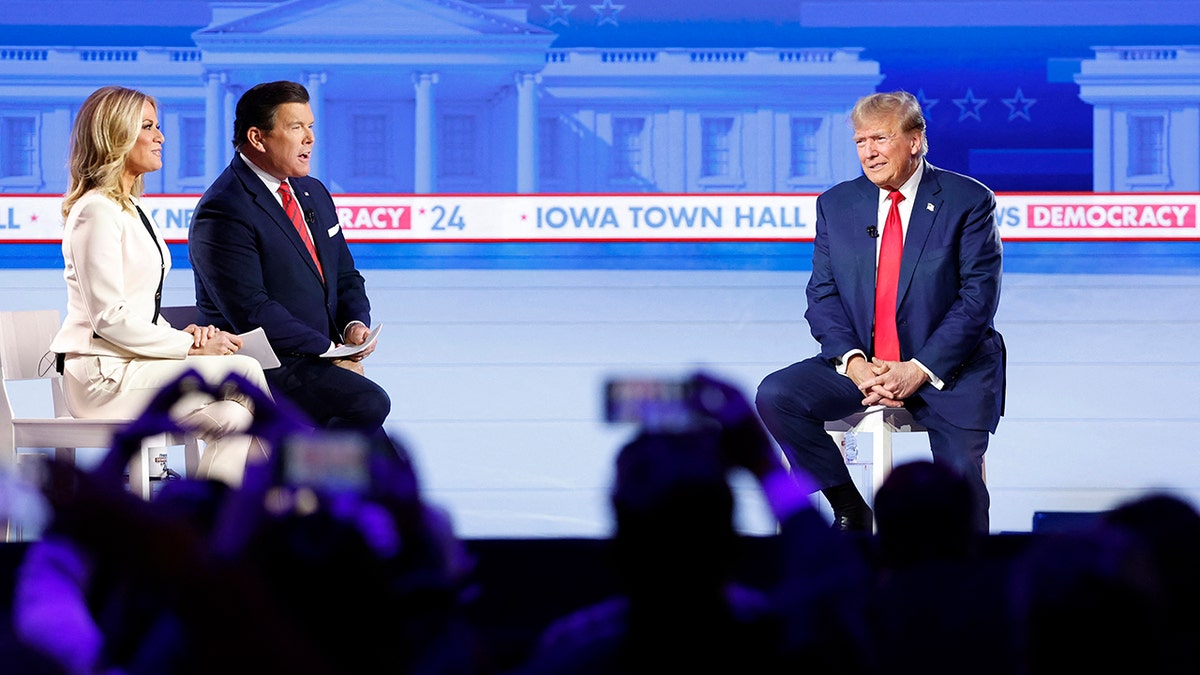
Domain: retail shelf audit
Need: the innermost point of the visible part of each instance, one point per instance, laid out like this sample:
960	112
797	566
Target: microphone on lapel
310	216
873	232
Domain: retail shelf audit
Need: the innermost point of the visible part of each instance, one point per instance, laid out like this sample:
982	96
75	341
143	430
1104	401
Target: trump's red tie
293	212
887	279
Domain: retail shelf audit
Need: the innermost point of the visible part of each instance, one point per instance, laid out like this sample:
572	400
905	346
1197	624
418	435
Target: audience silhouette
938	605
674	554
1167	529
269	577
674	548
301	573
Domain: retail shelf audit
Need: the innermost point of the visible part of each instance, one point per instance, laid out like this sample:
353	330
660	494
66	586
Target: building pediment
368	22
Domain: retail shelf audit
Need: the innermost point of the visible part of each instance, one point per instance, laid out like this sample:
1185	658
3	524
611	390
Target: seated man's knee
378	407
368	408
770	391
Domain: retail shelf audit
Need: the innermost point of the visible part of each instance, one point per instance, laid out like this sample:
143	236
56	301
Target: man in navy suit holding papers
904	288
267	251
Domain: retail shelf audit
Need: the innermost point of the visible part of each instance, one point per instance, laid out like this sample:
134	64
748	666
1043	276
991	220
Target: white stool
881	422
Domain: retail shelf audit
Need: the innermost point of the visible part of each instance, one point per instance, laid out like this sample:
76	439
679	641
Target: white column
214	125
425	169
677	169
1103	169
761	171
591	157
527	126
232	94
316	101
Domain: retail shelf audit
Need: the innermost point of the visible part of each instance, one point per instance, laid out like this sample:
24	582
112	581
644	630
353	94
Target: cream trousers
117	387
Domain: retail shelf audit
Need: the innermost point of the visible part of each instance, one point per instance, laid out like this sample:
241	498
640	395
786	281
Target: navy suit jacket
948	292
252	269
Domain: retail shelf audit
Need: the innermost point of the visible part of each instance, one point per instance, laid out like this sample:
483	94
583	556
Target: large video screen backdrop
656	97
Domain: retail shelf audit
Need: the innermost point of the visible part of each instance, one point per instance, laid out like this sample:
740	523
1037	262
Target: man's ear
915	143
254	137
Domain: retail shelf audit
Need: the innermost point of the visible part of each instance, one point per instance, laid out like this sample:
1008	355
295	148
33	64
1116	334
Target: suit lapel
926	205
864	216
272	209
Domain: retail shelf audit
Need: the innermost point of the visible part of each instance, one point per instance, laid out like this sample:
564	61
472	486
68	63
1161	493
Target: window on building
715	146
1147	145
191	147
627	146
549	162
18	150
803	160
369	146
457	156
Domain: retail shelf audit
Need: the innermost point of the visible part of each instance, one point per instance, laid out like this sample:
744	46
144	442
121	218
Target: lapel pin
928	205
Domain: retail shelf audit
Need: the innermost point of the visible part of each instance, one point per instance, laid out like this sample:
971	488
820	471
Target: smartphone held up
656	404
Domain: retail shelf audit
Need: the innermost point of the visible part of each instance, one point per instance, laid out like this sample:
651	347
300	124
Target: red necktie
887	279
293	212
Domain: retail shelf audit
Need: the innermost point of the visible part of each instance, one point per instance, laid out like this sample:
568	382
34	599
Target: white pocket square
334	230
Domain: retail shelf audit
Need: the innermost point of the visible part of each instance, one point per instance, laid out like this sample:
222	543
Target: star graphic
608	12
1018	106
558	12
969	102
926	103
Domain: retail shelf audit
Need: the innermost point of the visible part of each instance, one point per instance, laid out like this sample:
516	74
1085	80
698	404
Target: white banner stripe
650	218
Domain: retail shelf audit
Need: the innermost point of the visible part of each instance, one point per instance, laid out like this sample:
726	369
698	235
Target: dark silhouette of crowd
356	573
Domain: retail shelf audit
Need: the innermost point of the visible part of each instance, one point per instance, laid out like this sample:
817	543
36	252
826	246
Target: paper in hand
255	344
350	350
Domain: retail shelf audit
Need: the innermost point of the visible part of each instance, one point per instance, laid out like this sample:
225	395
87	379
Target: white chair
24	355
880	422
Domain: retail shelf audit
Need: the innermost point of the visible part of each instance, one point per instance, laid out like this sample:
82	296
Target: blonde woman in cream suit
118	351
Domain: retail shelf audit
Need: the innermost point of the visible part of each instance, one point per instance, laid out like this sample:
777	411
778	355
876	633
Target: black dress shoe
856	520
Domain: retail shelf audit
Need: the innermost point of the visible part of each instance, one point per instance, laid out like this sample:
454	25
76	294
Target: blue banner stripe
1129	257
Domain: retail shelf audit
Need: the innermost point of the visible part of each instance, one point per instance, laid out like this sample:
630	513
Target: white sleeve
117	269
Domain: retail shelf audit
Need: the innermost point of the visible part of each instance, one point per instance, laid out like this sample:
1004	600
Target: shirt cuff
841	365
933	379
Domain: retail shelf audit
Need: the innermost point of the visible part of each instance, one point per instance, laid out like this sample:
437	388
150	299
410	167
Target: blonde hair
899	104
104	133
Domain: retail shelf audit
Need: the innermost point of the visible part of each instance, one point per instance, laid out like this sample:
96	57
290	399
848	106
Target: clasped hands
212	340
886	383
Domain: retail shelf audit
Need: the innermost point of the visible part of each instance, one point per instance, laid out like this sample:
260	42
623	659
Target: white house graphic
448	96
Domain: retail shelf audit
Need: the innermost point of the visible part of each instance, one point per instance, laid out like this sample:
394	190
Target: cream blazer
112	269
